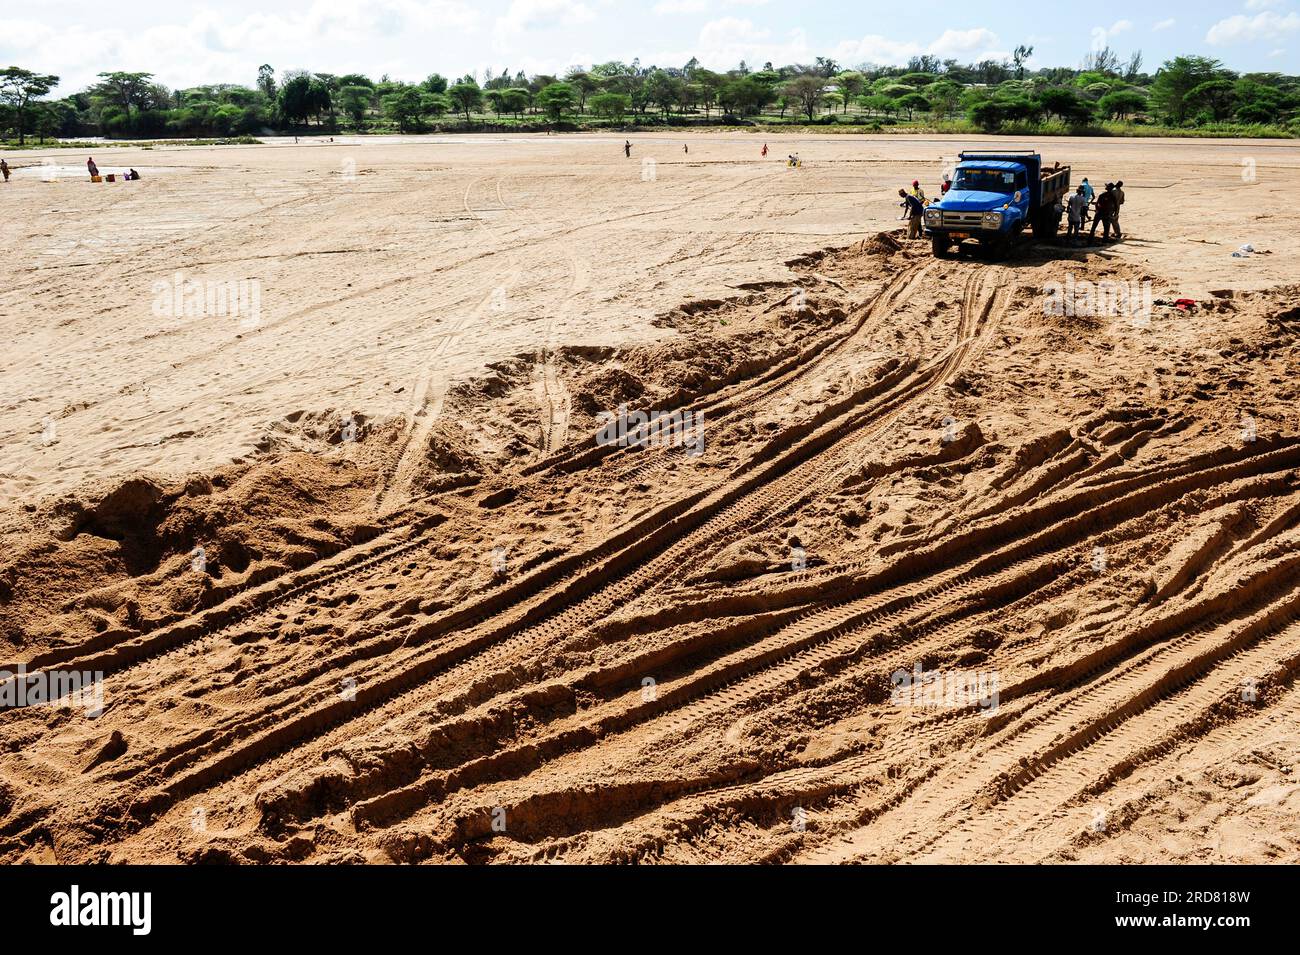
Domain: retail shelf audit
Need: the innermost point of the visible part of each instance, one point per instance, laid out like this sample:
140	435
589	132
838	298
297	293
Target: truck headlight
933	216
993	219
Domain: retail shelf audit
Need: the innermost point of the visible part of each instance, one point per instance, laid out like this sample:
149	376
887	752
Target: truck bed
1055	184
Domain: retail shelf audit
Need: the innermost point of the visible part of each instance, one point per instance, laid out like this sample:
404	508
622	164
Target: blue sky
186	43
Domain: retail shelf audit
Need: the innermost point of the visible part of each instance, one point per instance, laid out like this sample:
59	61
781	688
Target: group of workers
94	171
1106	208
7	171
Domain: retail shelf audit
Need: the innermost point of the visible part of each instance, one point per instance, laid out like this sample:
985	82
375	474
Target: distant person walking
1105	214
1076	211
913	210
627	148
686	148
90	165
4	169
1119	204
764	152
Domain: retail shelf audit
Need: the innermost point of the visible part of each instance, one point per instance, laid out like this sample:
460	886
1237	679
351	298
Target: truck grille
971	219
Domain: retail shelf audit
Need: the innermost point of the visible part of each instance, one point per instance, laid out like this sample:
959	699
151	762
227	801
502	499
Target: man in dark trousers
1107	209
913	210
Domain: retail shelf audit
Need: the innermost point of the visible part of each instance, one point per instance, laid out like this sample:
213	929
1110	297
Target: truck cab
994	197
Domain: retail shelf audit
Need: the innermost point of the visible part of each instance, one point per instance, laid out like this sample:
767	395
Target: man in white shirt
1076	210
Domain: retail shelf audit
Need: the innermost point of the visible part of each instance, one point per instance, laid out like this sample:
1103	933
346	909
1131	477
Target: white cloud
534	66
1164	24
672	7
523	16
724	42
962	42
975	44
1262	4
666	8
210	49
729	40
1244	29
1101	36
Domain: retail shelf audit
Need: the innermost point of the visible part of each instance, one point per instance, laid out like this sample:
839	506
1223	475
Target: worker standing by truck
1105	214
913	210
1119	203
1076	213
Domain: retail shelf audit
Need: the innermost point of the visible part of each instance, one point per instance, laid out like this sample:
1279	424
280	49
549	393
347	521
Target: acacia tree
466	96
128	89
1176	79
514	100
912	102
806	90
1121	104
851	82
555	99
611	106
405	107
436	105
584	84
303	96
354	99
710	84
18	87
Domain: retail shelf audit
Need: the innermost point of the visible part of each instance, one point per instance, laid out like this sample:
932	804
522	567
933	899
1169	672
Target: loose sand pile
469	628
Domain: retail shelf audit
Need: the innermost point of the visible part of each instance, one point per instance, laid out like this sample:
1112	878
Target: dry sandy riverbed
363	585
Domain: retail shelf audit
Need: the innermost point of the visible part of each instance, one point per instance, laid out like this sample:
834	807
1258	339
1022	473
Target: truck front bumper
958	235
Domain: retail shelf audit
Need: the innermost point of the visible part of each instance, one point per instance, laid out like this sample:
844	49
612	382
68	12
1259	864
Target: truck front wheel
939	245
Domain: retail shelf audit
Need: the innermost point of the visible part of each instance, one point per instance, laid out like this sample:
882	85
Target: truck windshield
989	180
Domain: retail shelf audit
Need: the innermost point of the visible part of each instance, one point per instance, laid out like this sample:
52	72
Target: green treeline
1186	93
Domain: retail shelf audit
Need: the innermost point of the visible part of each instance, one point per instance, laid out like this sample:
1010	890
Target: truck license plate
959	235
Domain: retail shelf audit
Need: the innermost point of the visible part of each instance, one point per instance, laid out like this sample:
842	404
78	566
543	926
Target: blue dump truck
994	198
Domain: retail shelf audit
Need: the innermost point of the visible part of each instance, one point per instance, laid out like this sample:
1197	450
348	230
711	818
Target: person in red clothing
90	165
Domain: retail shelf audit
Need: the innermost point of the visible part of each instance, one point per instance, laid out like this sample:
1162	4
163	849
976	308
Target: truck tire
994	248
939	245
1046	224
